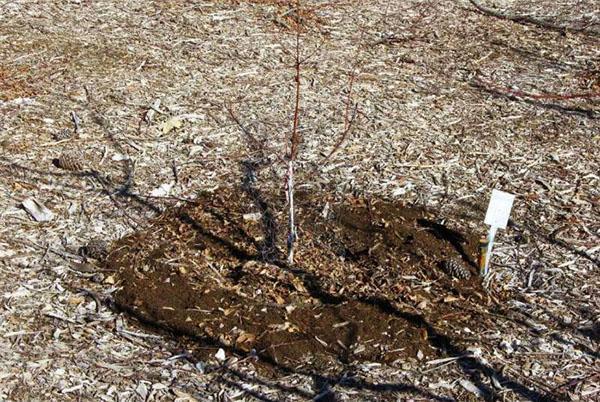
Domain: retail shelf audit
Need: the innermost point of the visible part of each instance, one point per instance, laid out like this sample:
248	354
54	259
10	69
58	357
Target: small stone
475	351
220	355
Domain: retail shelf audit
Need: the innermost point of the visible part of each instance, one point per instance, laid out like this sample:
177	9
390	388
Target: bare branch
246	132
295	136
348	121
527	19
521	94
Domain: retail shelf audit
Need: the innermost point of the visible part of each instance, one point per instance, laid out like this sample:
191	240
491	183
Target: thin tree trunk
292	226
295	142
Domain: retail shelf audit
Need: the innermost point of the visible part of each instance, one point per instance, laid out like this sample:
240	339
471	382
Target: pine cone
456	269
71	160
63	134
96	249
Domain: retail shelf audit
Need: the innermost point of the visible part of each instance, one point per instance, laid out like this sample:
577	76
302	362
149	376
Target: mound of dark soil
368	282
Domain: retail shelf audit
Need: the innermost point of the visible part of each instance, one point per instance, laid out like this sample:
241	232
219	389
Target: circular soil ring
367	283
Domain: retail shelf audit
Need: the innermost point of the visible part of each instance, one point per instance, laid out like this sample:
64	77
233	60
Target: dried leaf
228	311
298	285
171	124
286	326
245	337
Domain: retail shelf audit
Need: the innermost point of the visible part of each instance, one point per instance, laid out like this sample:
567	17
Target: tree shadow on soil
270	251
322	382
471	367
475	370
451	236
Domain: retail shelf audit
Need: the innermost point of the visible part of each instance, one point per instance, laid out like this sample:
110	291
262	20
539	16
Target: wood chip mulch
167	100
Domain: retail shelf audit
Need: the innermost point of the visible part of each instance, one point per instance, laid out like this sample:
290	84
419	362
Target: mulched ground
452	102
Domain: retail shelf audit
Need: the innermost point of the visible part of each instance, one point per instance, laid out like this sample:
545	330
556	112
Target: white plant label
496	216
499	209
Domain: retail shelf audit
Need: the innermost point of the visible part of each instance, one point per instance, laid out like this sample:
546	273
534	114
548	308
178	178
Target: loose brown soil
367	285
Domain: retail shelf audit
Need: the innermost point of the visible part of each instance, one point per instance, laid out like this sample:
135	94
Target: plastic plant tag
497	216
499	209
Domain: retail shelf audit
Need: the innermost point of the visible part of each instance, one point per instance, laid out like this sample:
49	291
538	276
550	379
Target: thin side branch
348	121
251	138
521	94
527	19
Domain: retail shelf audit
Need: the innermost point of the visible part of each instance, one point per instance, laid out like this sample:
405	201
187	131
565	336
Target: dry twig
527	19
